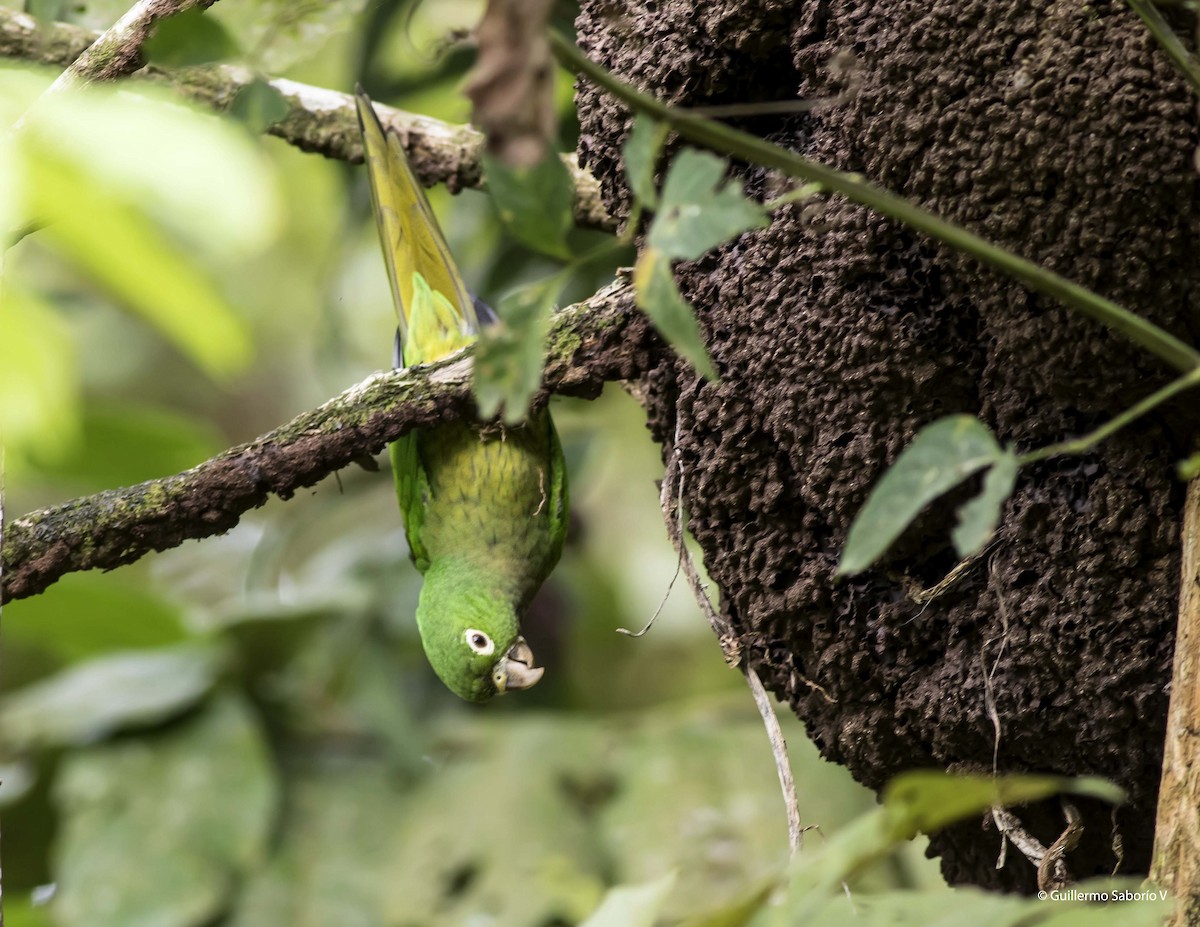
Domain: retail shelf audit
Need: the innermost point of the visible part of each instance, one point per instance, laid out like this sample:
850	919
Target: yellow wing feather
435	311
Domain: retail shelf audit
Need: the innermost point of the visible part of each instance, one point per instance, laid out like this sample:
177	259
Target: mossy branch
602	339
118	50
317	120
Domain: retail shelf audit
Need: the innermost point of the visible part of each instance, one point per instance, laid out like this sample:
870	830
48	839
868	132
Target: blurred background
244	730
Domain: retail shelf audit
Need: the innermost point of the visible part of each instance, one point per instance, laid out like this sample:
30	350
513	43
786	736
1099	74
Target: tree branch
118	50
1176	863
318	120
602	339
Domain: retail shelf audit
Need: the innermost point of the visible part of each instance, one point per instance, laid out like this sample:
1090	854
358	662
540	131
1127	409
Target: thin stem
751	148
605	249
1188	66
1086	442
783	767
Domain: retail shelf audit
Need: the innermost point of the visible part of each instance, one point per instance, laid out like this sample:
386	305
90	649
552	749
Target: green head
471	634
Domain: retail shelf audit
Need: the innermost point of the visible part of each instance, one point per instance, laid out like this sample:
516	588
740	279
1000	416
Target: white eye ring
479	642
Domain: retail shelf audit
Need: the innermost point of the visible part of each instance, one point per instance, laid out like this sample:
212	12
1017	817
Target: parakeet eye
480	642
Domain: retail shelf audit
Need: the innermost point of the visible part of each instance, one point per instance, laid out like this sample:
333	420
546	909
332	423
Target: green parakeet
485	507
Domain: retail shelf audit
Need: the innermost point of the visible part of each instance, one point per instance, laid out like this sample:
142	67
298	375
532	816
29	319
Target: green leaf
938	908
599	800
511	353
22	912
200	177
671	314
337	850
102	166
541	866
258	106
122	252
371	705
738	913
632	905
925	801
94	613
39	380
945	908
735	844
964	905
94	699
536	203
189	38
695	215
158	831
641	152
978	518
941	456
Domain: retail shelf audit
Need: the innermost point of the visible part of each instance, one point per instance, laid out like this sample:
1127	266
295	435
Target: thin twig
989	689
664	502
989	697
1052	870
843	66
1014	832
118	50
658	611
1050	862
783	766
671	499
672	489
924	596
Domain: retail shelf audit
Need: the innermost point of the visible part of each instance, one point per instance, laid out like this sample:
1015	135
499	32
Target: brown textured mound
1060	131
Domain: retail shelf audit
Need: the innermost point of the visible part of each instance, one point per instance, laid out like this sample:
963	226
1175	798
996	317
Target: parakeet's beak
515	670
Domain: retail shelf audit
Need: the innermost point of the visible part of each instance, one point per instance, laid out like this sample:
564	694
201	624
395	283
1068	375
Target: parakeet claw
515	670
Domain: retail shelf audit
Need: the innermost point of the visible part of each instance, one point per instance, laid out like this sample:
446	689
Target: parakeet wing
558	502
413	243
412	488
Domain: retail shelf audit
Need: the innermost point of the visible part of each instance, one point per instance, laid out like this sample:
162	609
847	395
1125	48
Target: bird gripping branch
485	507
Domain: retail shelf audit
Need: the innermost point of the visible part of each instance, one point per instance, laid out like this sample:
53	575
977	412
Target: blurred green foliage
244	730
942	455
